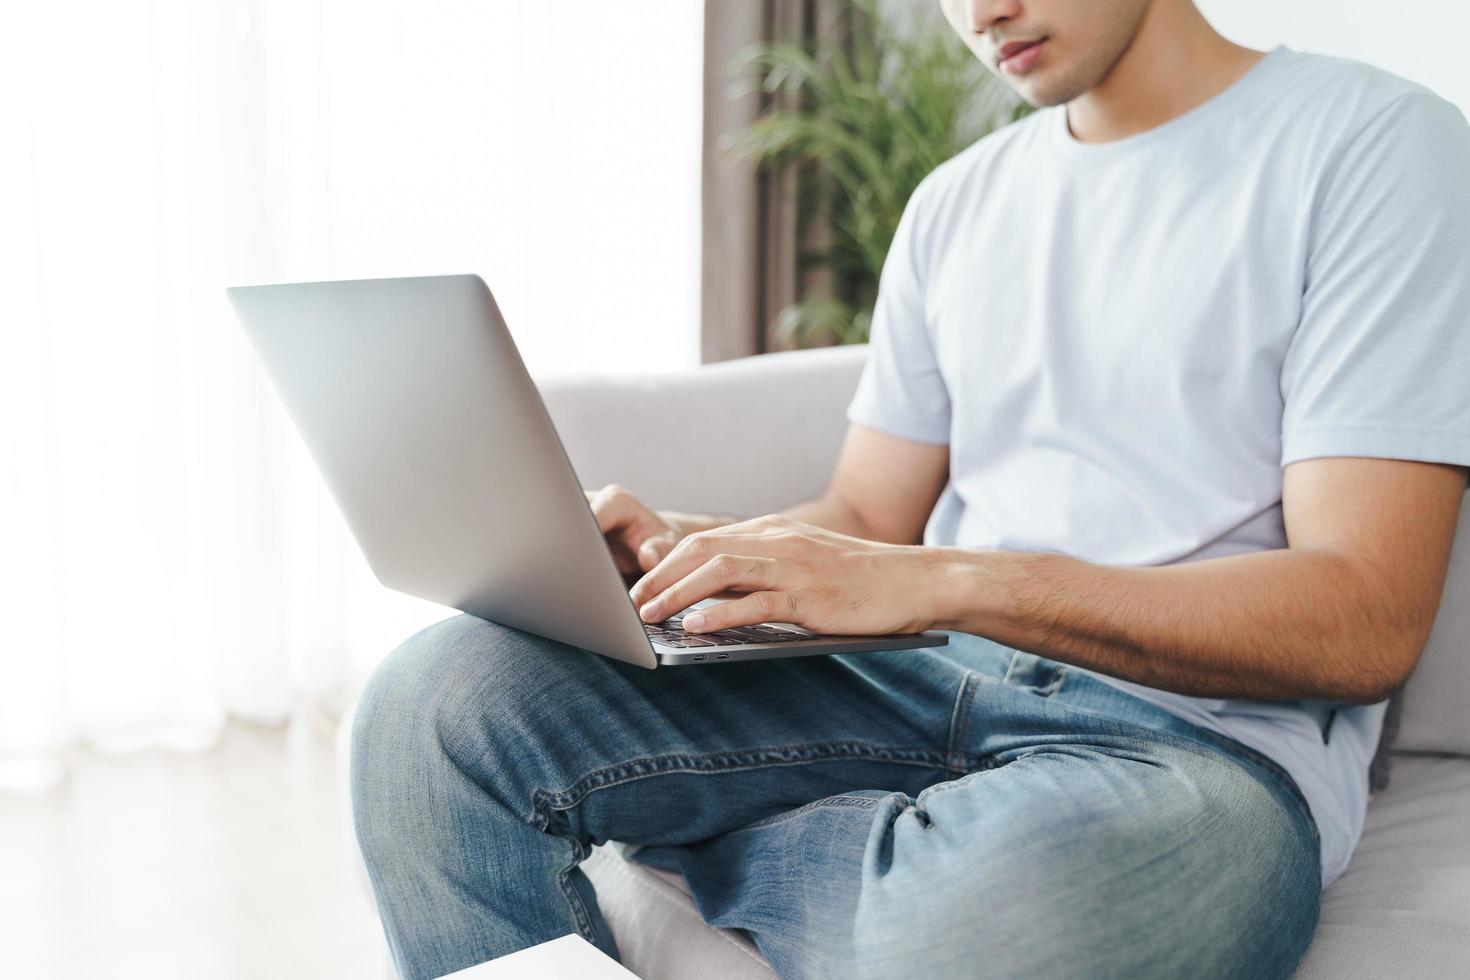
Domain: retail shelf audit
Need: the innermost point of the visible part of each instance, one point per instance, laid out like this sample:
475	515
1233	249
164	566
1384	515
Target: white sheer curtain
168	555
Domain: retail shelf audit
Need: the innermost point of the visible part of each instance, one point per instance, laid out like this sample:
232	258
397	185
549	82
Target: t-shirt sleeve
901	391
1379	365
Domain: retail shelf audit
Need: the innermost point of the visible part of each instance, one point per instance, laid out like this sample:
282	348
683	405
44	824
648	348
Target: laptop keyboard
670	633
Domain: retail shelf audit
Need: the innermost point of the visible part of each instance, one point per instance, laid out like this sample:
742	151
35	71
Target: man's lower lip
1022	61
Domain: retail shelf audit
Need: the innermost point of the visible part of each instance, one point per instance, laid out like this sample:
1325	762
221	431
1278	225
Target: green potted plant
873	111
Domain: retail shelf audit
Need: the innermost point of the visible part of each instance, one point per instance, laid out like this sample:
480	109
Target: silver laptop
412	399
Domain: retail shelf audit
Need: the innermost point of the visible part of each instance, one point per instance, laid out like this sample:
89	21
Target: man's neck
1175	62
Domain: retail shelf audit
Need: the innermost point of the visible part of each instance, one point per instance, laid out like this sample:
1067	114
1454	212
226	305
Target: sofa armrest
743	437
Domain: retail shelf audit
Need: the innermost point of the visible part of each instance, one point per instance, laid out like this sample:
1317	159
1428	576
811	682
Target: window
170	552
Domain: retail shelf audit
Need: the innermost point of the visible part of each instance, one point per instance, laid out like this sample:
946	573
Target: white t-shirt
1123	344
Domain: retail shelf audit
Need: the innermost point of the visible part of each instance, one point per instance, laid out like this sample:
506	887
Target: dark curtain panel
750	230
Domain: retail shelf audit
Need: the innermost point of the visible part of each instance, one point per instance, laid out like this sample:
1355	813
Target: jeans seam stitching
840	801
939	789
959	722
569	894
712	764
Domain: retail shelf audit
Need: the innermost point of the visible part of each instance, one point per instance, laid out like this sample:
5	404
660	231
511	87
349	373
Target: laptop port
700	656
722	656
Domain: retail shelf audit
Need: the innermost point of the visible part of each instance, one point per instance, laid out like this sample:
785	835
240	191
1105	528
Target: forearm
1341	614
1273	625
834	514
827	512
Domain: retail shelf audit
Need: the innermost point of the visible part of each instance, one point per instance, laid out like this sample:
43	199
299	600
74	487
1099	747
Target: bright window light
168	551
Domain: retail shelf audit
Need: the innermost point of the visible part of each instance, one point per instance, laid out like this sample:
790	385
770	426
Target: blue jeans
964	811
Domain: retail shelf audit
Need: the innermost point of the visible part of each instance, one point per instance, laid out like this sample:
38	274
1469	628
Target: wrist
970	591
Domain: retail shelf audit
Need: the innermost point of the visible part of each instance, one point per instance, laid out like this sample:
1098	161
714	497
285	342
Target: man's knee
1221	884
422	680
441	698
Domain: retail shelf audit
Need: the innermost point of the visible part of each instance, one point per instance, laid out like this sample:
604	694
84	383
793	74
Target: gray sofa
1401	910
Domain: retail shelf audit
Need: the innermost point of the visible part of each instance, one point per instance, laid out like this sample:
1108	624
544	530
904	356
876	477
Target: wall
1423	40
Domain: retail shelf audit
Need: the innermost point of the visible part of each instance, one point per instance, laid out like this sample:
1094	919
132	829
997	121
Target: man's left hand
784	571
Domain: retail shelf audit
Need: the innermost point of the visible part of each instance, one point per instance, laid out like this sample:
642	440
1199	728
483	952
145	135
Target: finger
722	573
689	554
758	607
625	561
655	549
760	537
628	524
616	508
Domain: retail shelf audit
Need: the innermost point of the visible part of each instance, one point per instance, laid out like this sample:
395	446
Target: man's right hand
638	536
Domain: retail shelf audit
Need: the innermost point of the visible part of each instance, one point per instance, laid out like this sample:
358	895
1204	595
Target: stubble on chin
1060	85
1043	95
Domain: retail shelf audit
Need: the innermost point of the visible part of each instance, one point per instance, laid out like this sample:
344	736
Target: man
1179	365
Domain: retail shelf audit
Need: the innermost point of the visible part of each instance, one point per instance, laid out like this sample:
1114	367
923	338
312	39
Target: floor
225	864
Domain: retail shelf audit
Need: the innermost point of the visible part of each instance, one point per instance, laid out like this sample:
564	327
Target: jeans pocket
1037	674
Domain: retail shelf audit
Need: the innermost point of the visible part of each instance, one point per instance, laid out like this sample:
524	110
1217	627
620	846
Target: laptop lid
413	401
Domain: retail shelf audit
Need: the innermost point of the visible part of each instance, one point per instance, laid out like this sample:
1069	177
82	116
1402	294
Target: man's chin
1040	91
1041	95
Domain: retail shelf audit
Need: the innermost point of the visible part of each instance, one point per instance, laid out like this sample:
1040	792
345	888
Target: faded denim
967	811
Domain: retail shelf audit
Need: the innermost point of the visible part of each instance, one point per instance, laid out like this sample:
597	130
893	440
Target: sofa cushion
1436	700
1398	911
659	932
1402	909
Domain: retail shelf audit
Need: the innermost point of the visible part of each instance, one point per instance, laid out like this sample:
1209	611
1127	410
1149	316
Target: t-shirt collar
1068	146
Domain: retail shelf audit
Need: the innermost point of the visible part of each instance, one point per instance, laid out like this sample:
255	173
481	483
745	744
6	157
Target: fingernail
694	622
647	611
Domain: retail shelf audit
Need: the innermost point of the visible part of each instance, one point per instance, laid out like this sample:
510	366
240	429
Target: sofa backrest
744	437
751	436
1435	713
